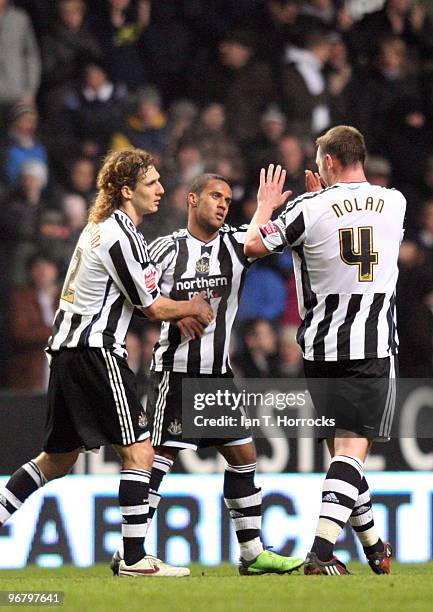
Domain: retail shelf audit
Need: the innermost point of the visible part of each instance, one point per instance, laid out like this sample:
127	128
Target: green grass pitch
212	589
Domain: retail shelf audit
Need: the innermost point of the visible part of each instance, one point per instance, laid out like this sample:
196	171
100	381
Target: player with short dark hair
92	399
207	254
345	236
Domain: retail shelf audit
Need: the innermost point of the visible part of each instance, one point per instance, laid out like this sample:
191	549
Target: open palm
270	193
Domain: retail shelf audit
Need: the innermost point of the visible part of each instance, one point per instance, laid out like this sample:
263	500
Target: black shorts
358	394
92	401
164	412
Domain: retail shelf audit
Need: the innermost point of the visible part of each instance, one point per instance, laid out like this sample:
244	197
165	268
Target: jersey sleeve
161	253
236	236
286	230
130	268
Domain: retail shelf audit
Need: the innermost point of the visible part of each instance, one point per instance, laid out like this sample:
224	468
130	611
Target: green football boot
269	563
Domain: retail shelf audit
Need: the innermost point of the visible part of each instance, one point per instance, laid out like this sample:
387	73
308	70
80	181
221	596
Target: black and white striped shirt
109	275
345	242
185	267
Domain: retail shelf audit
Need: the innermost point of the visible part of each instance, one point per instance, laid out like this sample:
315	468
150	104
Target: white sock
251	550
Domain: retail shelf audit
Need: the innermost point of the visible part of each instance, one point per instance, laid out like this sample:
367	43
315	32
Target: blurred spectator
264	150
212	137
68	43
54	238
41	13
247	209
20	67
118	28
333	15
134	346
275	26
167	46
243	84
20	210
149	338
39	229
259	355
182	114
291	157
408	141
185	166
323	10
402	18
139	344
426	83
417	193
80	181
173	216
75	216
265	290
378	171
20	216
291	354
381	89
146	129
94	105
21	142
414	313
31	315
339	76
424	235
234	171
305	94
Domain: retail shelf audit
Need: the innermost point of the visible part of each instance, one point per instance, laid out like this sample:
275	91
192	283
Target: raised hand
313	181
270	194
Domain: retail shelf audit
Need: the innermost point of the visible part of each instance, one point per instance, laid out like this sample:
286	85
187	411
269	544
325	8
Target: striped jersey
109	275
186	266
345	241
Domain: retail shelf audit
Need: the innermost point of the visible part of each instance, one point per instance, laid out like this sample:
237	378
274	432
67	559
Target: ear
192	199
126	192
329	161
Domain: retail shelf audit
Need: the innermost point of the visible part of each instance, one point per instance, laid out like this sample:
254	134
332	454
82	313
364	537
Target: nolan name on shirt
353	205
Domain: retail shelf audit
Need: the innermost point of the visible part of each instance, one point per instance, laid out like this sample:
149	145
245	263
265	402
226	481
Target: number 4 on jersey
365	258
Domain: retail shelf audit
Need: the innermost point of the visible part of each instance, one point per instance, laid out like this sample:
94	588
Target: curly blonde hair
119	168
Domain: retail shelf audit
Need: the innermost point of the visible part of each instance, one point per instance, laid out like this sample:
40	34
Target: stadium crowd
223	86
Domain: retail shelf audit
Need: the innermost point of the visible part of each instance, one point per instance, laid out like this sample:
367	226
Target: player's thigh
102	399
372	384
61	435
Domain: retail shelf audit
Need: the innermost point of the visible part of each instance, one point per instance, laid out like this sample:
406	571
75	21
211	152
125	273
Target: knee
167	451
138	456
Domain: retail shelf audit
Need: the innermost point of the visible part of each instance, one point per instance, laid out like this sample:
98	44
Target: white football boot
150	566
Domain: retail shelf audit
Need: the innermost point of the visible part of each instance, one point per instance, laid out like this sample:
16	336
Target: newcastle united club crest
202	265
175	428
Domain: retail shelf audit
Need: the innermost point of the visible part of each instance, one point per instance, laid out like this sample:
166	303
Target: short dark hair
200	182
344	142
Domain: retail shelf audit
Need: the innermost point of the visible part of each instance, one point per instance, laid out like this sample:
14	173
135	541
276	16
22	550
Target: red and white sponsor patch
150	279
269	228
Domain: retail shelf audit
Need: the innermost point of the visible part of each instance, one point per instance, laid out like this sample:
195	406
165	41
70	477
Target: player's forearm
165	309
254	246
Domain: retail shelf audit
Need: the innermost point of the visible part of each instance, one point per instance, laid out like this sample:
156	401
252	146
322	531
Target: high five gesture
270	196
